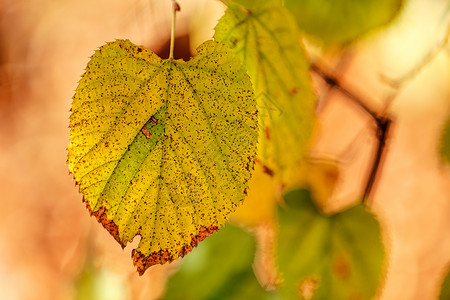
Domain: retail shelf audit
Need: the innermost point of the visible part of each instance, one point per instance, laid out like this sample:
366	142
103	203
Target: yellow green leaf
265	38
162	149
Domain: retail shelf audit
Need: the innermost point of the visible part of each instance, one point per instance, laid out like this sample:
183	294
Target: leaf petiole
175	8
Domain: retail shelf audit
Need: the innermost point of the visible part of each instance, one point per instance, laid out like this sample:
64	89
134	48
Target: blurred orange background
46	235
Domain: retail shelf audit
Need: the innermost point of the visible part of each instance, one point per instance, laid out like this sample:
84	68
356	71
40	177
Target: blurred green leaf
219	268
328	257
265	37
341	21
445	289
445	143
96	282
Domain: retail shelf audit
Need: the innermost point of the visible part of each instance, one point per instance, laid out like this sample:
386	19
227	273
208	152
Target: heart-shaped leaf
163	149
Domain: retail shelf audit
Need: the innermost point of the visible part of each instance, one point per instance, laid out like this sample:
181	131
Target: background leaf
163	149
219	268
341	21
445	289
321	177
97	282
266	39
261	201
445	142
331	257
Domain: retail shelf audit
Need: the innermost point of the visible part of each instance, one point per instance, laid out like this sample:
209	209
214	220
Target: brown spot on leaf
355	296
341	267
109	225
268	170
144	129
147	133
153	120
250	163
294	91
267	131
161	257
234	41
246	11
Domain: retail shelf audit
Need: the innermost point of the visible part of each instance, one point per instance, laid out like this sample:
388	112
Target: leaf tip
143	262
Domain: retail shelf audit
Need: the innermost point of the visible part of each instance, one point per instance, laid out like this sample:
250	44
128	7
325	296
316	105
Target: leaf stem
175	8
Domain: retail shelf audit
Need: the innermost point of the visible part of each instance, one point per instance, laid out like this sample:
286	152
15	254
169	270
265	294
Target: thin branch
382	122
383	129
334	82
340	68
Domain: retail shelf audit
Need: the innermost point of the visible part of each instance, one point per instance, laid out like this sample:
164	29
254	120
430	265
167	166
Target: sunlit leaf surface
219	268
342	21
265	38
328	257
162	149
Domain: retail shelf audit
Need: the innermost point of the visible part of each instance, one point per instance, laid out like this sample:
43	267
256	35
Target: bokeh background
50	246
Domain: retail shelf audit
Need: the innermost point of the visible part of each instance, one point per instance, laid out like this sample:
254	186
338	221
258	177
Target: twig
381	119
333	82
383	128
382	122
